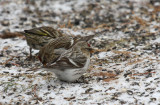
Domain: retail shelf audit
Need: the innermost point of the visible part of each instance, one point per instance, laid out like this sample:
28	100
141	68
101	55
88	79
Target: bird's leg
30	55
30	50
31	58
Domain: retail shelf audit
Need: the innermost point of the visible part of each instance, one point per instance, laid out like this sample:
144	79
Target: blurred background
127	16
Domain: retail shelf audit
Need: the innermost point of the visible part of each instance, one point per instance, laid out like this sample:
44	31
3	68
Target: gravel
125	70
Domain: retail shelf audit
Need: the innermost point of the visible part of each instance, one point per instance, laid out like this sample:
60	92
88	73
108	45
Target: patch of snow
156	40
102	55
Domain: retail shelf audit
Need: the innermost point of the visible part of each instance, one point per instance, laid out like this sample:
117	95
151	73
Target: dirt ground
126	70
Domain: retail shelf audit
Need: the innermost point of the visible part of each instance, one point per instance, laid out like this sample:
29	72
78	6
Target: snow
102	55
130	74
156	40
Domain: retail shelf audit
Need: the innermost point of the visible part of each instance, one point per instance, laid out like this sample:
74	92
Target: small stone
130	92
23	19
77	22
18	103
5	23
5	72
8	65
28	93
1	54
88	90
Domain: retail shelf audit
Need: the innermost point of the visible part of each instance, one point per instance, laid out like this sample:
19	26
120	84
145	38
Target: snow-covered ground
125	71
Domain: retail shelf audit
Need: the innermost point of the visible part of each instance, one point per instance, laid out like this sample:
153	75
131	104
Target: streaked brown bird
38	37
72	63
53	50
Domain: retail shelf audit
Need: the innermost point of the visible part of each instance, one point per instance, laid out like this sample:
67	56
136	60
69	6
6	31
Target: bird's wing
44	31
53	50
51	32
76	60
61	42
36	31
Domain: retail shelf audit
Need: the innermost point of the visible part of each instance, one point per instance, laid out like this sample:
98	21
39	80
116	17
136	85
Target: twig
143	73
8	60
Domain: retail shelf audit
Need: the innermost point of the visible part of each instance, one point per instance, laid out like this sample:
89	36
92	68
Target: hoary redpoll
38	37
72	63
53	50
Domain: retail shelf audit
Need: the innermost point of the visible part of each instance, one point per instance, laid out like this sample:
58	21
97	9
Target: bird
51	55
38	37
52	51
72	63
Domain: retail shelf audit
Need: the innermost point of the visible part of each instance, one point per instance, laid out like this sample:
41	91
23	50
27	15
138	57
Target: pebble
5	23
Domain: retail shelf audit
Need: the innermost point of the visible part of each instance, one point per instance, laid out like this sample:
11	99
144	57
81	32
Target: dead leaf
11	35
69	98
105	74
109	79
135	61
122	52
141	21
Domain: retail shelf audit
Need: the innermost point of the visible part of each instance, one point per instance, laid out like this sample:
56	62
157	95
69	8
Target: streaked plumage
52	51
72	63
38	37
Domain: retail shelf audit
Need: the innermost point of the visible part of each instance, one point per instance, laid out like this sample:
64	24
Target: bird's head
84	46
